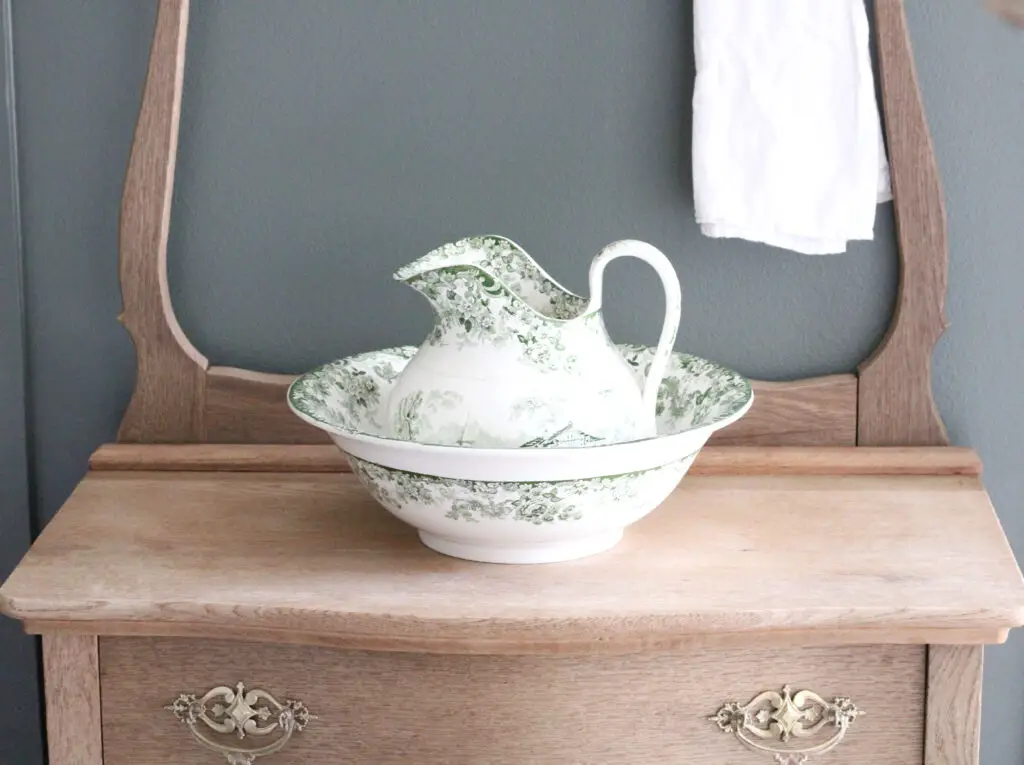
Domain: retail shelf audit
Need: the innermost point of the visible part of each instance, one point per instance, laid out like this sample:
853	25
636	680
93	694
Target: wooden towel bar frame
180	398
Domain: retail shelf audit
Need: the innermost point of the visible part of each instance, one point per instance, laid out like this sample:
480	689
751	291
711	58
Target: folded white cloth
787	139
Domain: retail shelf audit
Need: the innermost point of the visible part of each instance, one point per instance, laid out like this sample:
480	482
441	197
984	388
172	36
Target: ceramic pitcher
516	360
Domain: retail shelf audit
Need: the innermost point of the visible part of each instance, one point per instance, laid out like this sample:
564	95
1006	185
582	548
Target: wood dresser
818	589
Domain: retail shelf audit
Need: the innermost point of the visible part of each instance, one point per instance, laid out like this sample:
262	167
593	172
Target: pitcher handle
673	303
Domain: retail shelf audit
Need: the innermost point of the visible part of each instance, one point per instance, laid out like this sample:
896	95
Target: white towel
787	139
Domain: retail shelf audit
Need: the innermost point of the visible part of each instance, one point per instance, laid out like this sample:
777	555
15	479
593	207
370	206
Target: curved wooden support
895	396
167	403
179	398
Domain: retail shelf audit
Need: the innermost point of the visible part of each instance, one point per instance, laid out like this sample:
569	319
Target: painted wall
19	697
323	144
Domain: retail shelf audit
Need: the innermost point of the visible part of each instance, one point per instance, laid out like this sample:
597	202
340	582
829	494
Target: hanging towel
787	139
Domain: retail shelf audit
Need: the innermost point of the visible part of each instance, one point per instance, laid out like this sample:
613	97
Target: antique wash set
223	585
518	432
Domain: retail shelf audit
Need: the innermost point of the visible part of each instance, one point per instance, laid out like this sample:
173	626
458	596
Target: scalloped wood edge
179	398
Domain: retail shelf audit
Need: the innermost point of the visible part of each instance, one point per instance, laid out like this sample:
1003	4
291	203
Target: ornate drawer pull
770	719
244	713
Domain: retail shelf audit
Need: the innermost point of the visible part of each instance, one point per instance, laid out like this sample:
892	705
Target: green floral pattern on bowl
551	501
347	395
534	502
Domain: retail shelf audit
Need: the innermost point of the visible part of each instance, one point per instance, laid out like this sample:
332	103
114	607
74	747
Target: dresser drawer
382	708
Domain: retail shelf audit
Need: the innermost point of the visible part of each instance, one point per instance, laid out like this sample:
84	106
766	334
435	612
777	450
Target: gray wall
325	143
19	699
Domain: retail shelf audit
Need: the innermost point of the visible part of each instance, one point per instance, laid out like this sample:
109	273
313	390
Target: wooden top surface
309	557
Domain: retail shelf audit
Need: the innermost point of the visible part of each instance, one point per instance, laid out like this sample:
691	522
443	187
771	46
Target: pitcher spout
485	269
471	251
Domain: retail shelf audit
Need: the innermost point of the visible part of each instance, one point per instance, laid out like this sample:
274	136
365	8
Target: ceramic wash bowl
518	505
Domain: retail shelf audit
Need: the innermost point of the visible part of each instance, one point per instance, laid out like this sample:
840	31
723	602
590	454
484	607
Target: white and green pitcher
516	360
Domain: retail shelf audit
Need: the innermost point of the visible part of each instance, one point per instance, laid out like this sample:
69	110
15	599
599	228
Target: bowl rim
452	450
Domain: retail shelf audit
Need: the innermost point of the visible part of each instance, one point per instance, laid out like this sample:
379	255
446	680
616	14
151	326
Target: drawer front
383	708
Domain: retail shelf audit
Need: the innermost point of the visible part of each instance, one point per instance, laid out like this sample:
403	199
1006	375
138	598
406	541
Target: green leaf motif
535	502
413	415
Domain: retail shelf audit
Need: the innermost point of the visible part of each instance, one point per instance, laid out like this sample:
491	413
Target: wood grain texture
817	411
167	402
245	407
837	460
953	720
405	708
881	558
257	458
895	393
682	642
713	460
72	686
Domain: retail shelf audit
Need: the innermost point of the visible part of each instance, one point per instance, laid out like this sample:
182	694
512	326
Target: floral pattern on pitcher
473	309
510	265
503	328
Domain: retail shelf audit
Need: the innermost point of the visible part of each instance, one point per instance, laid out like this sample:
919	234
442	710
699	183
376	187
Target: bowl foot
535	553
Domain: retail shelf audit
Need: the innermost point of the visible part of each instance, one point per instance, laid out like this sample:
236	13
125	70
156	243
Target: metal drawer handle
243	713
770	721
